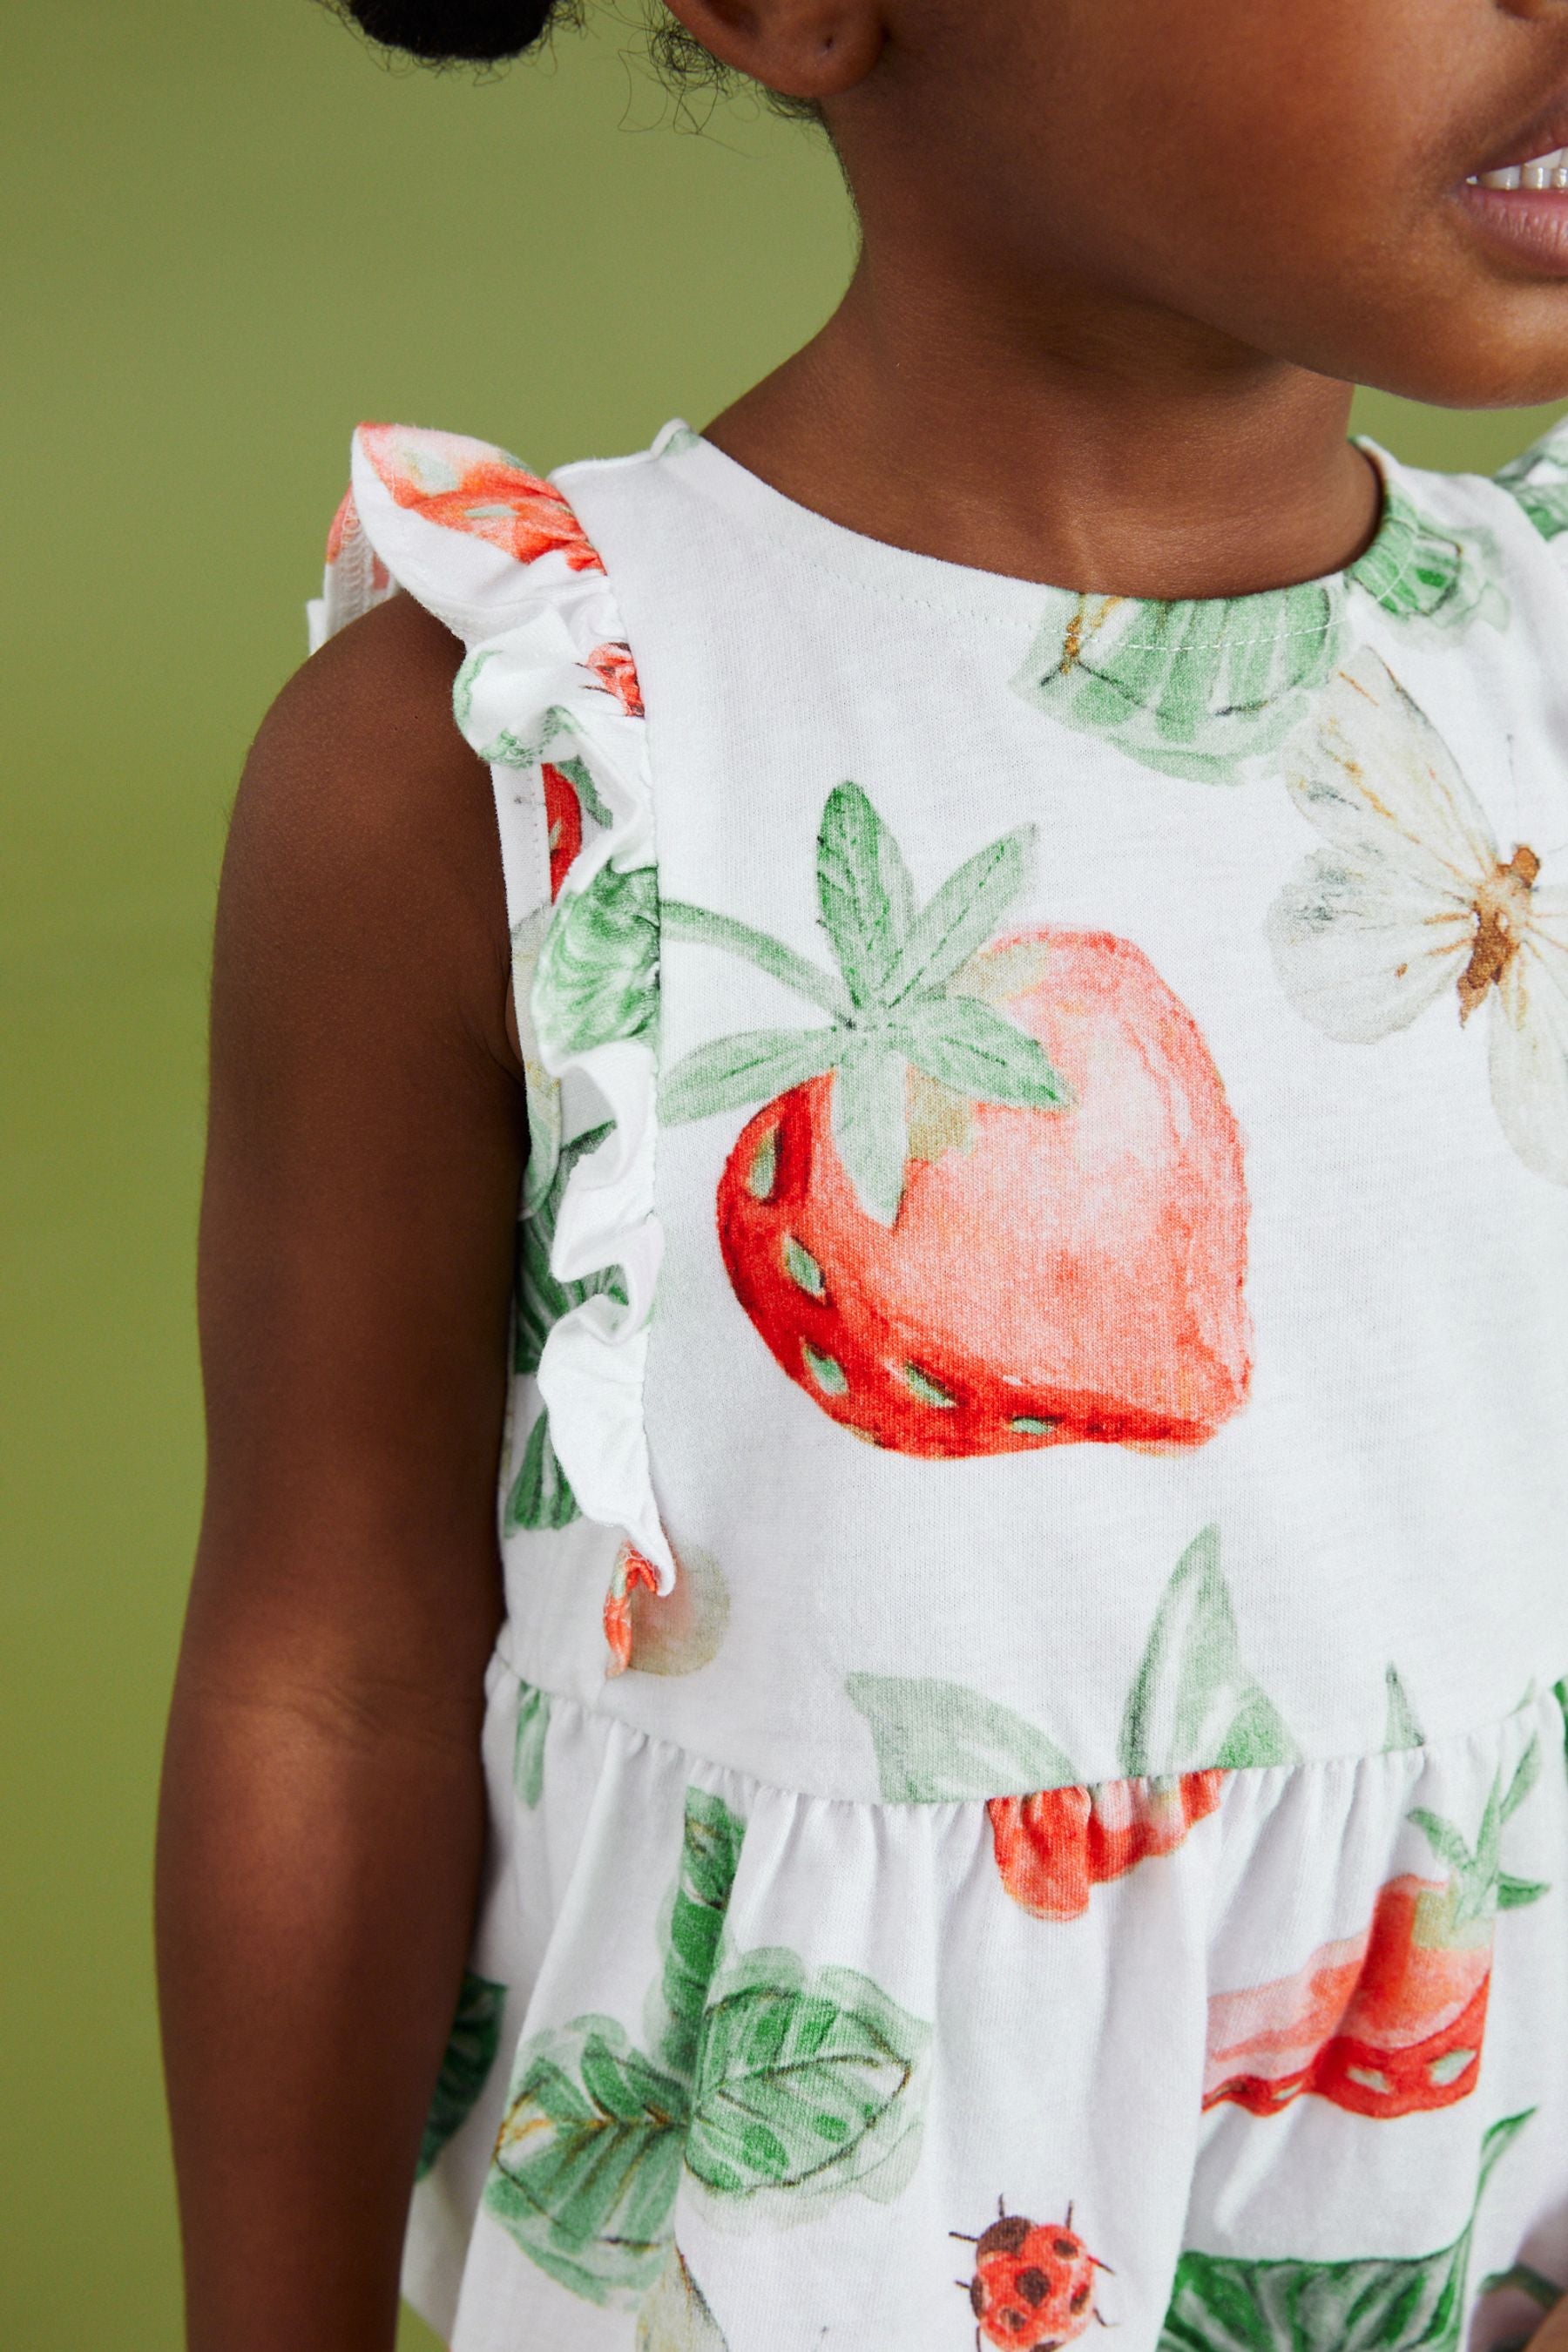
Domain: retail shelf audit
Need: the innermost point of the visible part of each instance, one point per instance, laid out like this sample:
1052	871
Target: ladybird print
996	1203
1413	901
1209	691
470	485
1033	2283
1194	1712
1389	2021
1224	2302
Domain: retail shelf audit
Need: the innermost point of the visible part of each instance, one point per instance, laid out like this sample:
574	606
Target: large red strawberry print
997	1202
1389	2021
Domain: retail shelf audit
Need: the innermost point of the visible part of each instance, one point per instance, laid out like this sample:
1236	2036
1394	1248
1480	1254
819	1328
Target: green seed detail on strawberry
996	1202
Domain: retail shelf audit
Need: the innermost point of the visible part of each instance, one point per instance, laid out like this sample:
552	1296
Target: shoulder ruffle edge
499	557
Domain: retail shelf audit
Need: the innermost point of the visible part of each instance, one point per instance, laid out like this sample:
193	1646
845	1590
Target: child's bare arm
322	1814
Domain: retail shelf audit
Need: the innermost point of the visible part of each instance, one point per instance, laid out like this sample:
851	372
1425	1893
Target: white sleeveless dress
1027	1751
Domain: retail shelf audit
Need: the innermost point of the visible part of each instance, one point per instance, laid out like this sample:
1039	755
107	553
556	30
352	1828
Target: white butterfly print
1412	897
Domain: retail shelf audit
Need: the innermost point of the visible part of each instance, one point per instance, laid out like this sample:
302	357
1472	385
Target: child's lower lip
1531	222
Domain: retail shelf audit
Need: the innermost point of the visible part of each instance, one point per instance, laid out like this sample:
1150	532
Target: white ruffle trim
547	674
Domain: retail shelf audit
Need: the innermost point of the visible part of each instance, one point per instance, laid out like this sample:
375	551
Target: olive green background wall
230	234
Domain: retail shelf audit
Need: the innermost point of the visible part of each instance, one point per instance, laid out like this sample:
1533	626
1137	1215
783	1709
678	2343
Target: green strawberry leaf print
1402	1729
676	2317
735	1071
1209	691
1224	2303
710	1855
864	890
809	2082
540	1495
938	1743
1205	691
1194	1712
587	2164
470	2054
892	1004
587	792
527	1743
961	918
770	2080
1194	1704
1420	572
598	978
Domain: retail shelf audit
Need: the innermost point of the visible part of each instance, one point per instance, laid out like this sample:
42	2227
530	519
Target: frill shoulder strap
548	695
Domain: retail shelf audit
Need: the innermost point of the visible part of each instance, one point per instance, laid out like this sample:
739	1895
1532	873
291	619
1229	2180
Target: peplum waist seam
1550	1701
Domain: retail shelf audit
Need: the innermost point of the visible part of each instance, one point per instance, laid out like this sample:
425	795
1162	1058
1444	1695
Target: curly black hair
454	32
492	32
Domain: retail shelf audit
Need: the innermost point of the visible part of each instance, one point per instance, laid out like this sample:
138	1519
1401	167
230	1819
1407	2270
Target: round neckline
933	580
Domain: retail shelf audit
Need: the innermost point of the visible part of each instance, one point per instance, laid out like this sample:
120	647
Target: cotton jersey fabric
1027	1755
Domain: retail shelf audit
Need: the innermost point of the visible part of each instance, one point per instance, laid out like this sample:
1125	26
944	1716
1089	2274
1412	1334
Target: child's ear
802	48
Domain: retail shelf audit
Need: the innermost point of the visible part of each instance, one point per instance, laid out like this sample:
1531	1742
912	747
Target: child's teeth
1545	172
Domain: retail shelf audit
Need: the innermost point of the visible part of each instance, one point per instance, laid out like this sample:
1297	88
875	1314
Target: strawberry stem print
769	2083
1223	2303
1390	2021
894	1008
1194	1712
996	1202
1412	897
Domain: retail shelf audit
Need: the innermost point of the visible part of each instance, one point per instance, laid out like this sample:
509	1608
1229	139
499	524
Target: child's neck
1068	437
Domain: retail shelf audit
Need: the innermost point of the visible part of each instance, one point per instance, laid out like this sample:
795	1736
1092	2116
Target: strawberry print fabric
1028	1755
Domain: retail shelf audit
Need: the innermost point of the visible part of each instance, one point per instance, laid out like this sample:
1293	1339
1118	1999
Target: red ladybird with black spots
1033	2283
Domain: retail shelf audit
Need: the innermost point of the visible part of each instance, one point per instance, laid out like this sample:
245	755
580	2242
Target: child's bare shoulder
362	847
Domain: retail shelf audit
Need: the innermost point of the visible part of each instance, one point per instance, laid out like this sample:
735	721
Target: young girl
1009	1776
